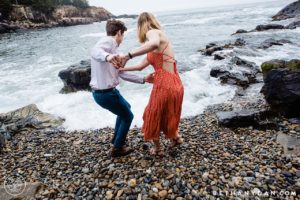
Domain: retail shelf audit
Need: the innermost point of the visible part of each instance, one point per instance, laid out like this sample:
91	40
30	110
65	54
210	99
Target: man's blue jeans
115	103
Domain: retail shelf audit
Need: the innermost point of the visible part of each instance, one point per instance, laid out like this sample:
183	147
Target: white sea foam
93	35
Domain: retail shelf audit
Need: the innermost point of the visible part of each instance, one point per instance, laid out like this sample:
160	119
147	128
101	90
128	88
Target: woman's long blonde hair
146	22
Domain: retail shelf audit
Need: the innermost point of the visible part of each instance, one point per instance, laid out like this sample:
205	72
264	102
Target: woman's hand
149	78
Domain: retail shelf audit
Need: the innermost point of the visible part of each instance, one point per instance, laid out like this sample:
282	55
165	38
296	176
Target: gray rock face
290	11
282	91
76	77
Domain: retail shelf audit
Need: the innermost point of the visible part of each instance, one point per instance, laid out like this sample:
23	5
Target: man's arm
139	67
101	50
131	77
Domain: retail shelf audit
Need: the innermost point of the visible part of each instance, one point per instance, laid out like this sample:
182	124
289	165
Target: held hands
117	60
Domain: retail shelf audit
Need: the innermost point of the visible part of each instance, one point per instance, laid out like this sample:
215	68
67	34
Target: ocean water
30	61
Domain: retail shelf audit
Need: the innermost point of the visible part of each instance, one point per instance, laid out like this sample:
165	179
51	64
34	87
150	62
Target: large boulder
290	11
282	87
76	77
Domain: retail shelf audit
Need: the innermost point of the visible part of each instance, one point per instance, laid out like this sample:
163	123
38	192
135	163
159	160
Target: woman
164	108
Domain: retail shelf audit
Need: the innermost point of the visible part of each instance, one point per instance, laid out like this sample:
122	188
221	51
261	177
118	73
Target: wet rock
210	45
268	27
290	11
211	48
219	56
238	72
76	77
239	31
270	42
244	63
293	25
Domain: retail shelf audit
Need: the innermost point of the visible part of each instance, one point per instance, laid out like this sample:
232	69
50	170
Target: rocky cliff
25	17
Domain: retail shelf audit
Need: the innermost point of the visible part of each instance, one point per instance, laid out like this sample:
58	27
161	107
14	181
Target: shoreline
212	160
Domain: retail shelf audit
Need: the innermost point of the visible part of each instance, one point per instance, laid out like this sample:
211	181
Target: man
104	79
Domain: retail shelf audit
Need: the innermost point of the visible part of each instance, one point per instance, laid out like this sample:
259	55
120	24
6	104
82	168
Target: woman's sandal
154	151
176	142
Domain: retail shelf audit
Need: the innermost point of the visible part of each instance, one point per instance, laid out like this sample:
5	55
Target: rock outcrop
290	11
282	86
76	77
24	119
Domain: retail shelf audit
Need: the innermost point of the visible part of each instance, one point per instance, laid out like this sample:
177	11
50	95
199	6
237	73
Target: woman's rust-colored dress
164	108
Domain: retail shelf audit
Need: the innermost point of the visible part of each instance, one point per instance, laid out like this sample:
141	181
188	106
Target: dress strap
169	59
165	47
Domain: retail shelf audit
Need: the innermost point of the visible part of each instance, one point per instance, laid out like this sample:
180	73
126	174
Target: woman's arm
152	44
142	65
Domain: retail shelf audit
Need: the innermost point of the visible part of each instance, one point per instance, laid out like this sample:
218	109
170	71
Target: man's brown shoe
119	152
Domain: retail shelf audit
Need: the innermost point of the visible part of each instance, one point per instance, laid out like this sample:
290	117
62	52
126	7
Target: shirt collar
114	42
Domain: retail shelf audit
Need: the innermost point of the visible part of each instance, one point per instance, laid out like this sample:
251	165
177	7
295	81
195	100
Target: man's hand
123	60
149	78
114	59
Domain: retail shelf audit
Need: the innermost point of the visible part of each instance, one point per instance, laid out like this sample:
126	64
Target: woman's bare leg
156	150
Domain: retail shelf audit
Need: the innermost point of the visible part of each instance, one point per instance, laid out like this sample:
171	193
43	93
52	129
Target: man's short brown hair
113	26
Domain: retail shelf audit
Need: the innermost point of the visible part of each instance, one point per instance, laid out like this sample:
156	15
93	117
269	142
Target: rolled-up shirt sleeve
131	77
101	50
